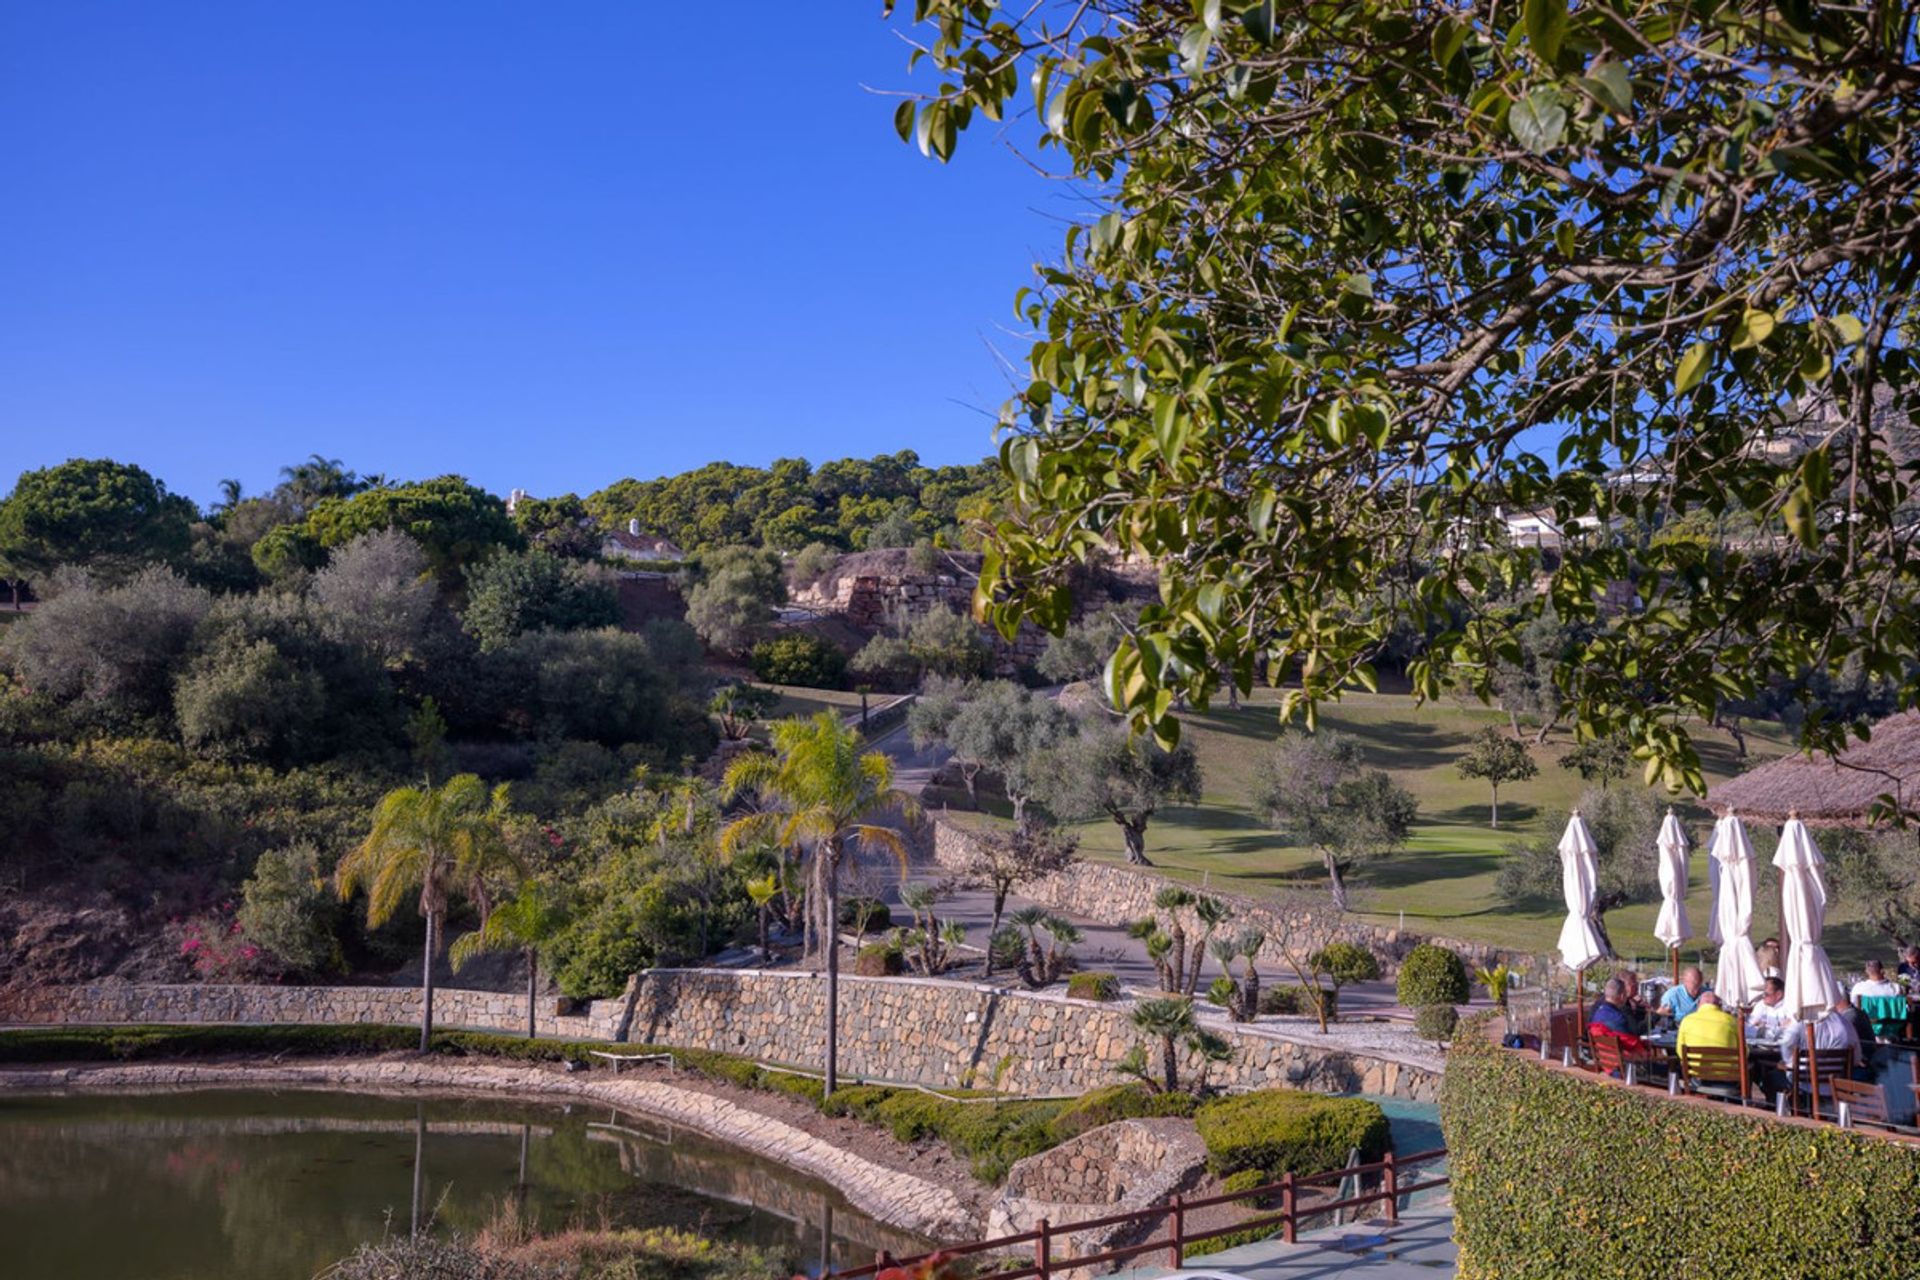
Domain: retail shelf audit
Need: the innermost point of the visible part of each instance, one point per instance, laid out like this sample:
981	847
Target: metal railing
1175	1239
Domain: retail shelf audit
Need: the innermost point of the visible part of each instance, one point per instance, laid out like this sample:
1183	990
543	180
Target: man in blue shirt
1685	998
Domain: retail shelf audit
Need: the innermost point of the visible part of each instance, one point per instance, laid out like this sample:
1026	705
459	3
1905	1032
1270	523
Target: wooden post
1176	1234
1287	1227
1042	1251
1391	1178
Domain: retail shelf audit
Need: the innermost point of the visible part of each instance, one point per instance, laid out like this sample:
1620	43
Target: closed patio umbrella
1811	986
1672	926
1580	941
1730	859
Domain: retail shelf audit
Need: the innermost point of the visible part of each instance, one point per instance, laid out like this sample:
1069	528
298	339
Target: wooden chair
1611	1054
1866	1102
1831	1064
1715	1072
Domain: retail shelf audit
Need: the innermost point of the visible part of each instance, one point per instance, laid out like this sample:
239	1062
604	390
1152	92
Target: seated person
1609	1017
1683	999
1770	1018
1875	983
1708	1027
1832	1030
1862	1026
1910	965
1632	1005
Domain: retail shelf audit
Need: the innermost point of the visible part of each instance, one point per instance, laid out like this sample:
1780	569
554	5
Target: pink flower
190	946
250	951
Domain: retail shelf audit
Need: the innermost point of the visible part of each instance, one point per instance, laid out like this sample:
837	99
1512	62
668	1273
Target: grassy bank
1443	881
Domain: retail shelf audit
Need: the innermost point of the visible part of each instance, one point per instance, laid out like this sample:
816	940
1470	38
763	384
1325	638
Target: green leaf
1538	121
1546	27
1193	50
1609	83
1260	21
1693	367
1848	328
1449	37
903	121
1753	329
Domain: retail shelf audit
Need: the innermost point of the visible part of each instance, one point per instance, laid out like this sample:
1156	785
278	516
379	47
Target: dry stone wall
907	1030
1130	1164
453	1007
1113	894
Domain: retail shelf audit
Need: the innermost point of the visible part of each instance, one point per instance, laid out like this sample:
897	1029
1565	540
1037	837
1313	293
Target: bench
620	1060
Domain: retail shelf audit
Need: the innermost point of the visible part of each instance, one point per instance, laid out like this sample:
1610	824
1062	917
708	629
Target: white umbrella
1811	987
1580	942
1737	978
1672	927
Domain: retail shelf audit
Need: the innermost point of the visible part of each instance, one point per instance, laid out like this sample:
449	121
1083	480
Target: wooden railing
1176	1239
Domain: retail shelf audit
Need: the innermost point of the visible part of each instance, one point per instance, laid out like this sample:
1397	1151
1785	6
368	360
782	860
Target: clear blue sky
542	245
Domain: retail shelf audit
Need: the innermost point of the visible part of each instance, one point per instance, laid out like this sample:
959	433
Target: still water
267	1185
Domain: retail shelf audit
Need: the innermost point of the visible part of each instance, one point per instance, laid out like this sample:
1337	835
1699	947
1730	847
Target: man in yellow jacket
1708	1027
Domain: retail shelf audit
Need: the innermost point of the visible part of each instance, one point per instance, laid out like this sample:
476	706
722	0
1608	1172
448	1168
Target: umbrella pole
1813	1077
1579	1013
1740	1038
1673	954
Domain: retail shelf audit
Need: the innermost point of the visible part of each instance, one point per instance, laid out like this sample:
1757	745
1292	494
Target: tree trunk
832	873
1019	812
1336	883
1136	837
1170	1062
533	989
1495	821
426	982
766	952
993	930
972	778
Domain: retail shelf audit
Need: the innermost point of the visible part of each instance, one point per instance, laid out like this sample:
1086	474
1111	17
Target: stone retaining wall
910	1030
1113	894
453	1007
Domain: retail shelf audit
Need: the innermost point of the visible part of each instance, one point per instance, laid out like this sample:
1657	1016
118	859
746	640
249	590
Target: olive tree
1351	279
1105	770
1318	789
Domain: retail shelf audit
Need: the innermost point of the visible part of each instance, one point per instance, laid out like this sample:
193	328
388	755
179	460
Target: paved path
1419	1247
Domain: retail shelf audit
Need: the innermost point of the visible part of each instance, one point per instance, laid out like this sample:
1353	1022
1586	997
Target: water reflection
278	1185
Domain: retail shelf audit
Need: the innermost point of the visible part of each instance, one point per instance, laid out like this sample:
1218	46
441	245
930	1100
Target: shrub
800	659
1093	986
1115	1102
866	915
878	960
1526	1207
1436	1022
1346	962
1290	1000
289	911
1276	1130
1432	975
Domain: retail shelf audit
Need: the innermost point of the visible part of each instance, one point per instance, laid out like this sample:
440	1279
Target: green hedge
1559	1175
1277	1130
1288	999
1432	975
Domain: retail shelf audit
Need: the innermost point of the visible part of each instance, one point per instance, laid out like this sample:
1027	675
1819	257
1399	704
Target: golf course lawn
1442	882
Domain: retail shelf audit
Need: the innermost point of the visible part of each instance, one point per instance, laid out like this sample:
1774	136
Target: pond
273	1185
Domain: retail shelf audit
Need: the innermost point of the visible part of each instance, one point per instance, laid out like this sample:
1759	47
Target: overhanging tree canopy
1364	271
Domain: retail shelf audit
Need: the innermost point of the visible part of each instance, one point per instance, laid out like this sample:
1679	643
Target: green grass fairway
1443	881
798	701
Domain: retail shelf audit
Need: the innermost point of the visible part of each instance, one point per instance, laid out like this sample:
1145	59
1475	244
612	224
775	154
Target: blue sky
545	246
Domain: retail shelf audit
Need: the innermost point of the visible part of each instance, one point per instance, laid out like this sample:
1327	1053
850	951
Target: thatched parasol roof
1832	791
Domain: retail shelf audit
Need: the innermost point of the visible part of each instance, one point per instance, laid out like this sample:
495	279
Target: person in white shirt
1770	1017
1832	1030
1876	983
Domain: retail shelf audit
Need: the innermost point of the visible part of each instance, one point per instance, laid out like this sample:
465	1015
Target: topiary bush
1436	1022
1432	975
879	960
1290	1000
1527	1208
1276	1130
1093	986
1346	962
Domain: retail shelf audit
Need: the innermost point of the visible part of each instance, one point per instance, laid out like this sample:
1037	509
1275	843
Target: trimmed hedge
1093	986
1277	1130
1436	1022
1114	1102
1432	975
1558	1175
1286	998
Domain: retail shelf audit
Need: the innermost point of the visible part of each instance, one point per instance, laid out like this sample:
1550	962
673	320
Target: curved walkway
892	1196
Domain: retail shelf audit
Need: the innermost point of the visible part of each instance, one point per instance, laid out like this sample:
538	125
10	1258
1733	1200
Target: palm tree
436	840
230	495
1170	1020
762	891
829	792
521	923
